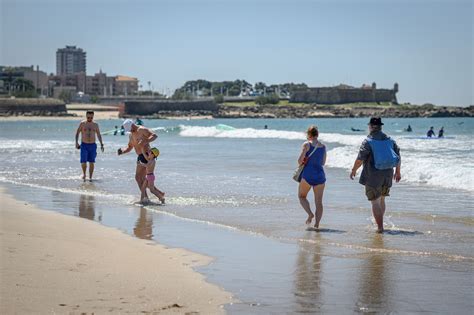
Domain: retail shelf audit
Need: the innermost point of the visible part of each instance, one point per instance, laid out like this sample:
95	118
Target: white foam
446	165
35	145
243	133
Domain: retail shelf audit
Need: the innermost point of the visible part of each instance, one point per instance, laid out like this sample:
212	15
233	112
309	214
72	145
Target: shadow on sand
401	232
312	229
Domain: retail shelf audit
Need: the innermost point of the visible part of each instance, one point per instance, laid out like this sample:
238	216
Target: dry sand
53	263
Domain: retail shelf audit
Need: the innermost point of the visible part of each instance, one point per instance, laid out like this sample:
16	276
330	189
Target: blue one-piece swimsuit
313	172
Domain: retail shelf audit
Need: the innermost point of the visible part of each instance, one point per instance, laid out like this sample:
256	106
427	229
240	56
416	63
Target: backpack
384	155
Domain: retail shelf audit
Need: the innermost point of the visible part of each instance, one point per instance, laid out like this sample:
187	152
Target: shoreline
93	268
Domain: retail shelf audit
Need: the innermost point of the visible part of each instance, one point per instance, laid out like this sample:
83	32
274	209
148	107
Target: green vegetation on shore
348	105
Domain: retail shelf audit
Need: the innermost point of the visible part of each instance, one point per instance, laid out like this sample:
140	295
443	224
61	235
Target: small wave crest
220	131
419	167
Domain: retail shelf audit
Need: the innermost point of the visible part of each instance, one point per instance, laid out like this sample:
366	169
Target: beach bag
384	155
299	169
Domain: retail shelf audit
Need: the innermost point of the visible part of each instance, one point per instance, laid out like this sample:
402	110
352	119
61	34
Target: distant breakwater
331	111
32	107
168	108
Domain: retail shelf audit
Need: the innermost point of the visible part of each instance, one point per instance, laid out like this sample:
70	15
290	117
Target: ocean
230	195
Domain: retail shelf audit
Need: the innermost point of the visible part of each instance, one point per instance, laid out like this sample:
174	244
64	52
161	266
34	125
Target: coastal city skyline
362	47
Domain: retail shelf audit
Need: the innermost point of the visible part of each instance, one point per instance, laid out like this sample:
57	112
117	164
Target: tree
219	99
65	95
94	99
270	99
21	87
260	86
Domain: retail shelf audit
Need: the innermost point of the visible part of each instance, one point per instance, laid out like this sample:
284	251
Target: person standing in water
379	155
313	155
139	137
430	132
150	155
441	133
88	130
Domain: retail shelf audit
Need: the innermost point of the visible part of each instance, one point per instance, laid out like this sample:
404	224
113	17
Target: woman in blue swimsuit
313	174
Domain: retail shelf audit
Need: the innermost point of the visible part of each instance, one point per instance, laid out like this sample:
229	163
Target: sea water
236	175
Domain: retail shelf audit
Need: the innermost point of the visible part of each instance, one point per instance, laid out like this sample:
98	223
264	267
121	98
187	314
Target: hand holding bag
299	169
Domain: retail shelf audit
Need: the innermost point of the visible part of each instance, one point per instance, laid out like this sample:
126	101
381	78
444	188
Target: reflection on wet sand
308	277
374	291
87	207
144	226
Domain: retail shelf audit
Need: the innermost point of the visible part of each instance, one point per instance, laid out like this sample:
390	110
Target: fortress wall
152	107
20	106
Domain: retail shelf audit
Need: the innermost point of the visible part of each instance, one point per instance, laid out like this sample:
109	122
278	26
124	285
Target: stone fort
342	94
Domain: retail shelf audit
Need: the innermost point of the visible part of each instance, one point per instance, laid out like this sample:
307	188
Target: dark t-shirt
370	175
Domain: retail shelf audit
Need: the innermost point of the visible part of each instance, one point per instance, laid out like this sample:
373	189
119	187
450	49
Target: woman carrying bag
311	161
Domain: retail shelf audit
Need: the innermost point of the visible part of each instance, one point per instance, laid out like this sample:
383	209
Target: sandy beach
53	263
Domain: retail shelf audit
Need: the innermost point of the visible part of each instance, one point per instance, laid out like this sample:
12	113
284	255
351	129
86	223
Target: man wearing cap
139	136
377	181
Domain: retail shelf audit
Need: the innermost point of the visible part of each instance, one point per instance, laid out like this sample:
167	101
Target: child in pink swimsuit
150	155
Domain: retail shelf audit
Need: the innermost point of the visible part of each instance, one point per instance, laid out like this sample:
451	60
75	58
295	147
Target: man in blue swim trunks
88	130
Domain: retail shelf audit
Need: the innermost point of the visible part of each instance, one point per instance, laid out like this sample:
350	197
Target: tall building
70	60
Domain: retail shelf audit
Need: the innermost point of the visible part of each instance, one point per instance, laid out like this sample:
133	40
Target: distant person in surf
139	137
430	132
122	131
88	130
138	121
409	129
116	131
441	133
379	154
313	156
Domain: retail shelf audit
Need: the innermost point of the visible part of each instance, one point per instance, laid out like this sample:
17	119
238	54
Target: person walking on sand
378	154
313	156
88	130
139	137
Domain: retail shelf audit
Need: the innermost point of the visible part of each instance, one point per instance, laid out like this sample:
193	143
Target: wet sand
53	263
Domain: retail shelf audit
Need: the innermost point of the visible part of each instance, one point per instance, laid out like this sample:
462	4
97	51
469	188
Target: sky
425	46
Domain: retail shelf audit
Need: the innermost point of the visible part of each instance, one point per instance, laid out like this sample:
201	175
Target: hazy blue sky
425	46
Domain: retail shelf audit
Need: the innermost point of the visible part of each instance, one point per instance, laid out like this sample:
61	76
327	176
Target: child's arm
147	154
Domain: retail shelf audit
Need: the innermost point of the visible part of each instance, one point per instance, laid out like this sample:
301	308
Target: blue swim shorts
88	152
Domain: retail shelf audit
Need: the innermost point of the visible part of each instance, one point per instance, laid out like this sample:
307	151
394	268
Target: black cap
375	121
